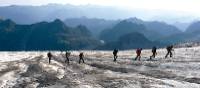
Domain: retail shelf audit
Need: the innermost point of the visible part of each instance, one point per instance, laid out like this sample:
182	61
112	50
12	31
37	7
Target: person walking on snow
67	54
115	51
169	51
154	53
49	55
138	52
81	57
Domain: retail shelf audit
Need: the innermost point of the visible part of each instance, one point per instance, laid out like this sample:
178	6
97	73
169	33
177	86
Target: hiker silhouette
138	52
49	55
154	53
115	51
81	56
67	54
169	51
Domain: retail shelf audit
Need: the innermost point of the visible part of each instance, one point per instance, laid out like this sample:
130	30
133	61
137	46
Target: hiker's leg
170	53
154	55
167	54
139	58
136	57
67	60
83	60
115	58
49	60
79	60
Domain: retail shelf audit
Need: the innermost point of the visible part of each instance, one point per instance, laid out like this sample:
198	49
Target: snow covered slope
31	70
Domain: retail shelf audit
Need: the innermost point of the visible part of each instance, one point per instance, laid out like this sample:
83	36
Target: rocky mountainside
132	40
44	36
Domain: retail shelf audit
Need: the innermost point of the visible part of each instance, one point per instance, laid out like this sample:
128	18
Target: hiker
153	52
67	54
169	50
81	57
138	52
115	51
49	55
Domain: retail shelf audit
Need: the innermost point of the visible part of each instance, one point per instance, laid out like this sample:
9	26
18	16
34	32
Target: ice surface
31	70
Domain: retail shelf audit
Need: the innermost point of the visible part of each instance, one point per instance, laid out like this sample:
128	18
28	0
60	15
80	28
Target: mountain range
131	40
93	24
153	30
123	34
158	33
96	26
44	36
85	27
191	34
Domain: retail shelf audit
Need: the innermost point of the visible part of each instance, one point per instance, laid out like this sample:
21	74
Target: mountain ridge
46	36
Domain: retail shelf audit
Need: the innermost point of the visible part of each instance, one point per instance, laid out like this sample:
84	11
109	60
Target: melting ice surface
31	70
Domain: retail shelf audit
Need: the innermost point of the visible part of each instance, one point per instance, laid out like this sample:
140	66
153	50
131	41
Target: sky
176	5
182	8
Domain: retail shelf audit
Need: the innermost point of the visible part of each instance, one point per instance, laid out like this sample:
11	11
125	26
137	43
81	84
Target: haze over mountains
86	27
32	14
93	24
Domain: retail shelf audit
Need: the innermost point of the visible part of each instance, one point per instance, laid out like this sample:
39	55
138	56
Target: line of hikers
115	52
67	55
139	50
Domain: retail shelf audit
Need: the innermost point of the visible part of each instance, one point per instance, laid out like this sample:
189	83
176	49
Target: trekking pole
174	54
194	53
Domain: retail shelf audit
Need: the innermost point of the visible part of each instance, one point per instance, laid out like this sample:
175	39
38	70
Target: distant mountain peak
9	21
7	24
135	20
125	24
57	21
81	26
